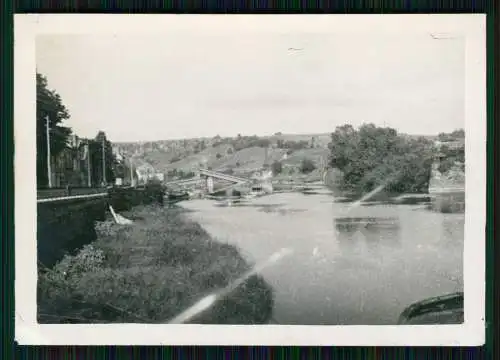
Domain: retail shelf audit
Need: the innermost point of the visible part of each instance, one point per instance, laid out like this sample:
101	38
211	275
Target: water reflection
371	233
452	228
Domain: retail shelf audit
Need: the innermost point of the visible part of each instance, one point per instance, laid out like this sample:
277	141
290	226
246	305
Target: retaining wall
65	226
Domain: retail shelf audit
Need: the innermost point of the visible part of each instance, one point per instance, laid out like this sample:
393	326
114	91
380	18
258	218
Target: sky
145	87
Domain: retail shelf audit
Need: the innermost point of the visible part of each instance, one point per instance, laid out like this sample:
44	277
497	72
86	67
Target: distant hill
242	154
239	155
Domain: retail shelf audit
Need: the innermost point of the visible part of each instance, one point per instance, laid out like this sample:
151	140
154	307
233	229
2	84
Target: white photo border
472	333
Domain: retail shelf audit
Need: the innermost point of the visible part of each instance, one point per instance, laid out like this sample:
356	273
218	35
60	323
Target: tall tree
98	158
49	109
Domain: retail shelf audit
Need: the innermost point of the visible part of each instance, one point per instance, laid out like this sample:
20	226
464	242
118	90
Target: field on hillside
241	155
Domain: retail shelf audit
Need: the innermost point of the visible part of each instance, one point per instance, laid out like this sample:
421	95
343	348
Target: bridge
206	178
222	176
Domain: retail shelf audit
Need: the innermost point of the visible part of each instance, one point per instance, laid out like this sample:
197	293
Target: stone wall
65	226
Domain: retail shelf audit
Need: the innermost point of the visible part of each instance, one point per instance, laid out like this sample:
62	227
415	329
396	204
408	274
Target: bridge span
206	178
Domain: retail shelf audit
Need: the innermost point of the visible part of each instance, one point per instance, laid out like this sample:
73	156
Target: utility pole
103	161
131	172
89	177
49	165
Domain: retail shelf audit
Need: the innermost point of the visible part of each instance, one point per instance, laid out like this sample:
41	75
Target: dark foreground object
447	309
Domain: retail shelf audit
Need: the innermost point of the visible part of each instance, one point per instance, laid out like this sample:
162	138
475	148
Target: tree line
371	156
74	161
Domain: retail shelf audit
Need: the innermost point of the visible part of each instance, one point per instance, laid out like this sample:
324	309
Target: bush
307	166
218	156
175	159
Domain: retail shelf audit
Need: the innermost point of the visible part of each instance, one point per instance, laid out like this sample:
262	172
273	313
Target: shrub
307	166
175	159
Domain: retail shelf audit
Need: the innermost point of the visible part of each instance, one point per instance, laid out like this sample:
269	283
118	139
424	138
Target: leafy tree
458	134
372	156
307	166
454	135
216	140
98	158
49	106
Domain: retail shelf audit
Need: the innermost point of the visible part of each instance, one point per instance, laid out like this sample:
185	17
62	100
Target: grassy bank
149	272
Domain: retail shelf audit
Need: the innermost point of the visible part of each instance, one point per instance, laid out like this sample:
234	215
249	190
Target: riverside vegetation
149	272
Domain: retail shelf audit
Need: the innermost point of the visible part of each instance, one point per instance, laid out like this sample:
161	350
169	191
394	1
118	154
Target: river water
348	266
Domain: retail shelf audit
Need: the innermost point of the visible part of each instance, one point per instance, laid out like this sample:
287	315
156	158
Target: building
67	167
160	176
146	172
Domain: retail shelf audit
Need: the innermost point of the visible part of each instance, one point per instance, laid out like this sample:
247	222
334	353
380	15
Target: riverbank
149	272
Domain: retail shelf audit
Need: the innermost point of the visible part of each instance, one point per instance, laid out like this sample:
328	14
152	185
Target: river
341	272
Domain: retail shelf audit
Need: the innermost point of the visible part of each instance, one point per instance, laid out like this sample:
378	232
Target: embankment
149	272
64	226
448	189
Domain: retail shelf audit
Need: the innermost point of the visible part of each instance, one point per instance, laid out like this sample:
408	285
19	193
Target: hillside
242	154
239	155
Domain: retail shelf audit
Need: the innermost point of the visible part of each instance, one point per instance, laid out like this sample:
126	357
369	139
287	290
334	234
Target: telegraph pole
131	172
89	178
103	160
49	165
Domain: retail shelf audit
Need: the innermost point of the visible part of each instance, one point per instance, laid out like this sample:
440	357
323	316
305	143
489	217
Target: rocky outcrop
452	180
448	188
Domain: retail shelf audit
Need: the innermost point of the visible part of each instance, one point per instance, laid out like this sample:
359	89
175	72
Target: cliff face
452	180
448	188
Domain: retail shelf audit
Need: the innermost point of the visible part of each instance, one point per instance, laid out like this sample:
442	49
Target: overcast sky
177	85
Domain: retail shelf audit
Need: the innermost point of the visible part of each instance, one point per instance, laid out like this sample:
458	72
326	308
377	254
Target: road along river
358	266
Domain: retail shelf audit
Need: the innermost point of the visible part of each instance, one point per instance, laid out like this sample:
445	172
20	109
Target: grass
149	272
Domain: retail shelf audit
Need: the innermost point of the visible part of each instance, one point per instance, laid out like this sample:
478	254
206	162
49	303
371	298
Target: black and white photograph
296	177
